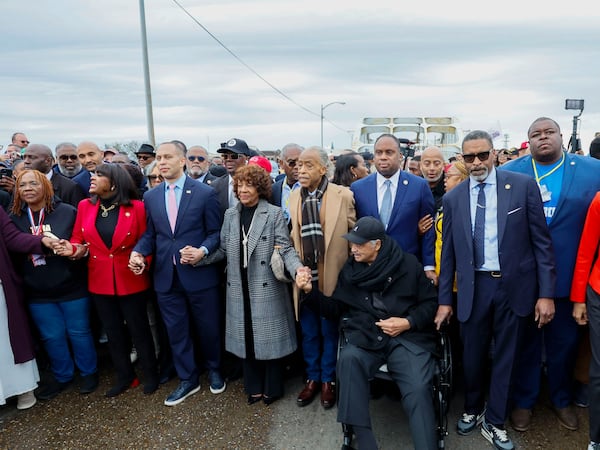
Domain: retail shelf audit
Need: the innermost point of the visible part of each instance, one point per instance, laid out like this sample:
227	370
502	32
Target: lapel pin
572	163
507	186
127	214
405	182
188	192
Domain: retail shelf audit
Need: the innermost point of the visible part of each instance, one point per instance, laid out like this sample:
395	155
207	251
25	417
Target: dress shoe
567	417
52	388
520	419
26	400
270	400
167	374
88	383
120	388
327	395
151	385
308	393
252	399
183	391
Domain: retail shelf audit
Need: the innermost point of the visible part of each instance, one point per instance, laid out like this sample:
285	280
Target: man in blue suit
567	183
503	276
183	227
399	199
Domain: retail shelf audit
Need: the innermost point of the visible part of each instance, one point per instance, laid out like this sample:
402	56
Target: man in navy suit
567	182
503	276
410	198
184	224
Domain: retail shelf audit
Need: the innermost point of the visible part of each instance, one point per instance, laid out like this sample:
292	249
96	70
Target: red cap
261	161
524	145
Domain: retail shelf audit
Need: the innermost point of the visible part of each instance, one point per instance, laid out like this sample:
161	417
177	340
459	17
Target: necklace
105	210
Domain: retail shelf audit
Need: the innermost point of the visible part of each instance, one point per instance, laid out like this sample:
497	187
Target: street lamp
322	109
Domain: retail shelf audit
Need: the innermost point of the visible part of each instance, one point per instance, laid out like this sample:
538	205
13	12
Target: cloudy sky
72	69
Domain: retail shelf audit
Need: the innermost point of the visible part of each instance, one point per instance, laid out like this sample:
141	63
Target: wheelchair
442	389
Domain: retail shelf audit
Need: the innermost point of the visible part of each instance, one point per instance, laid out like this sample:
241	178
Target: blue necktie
386	205
479	230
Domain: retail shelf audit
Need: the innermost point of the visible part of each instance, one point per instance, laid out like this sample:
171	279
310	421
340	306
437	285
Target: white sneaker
496	436
26	400
133	356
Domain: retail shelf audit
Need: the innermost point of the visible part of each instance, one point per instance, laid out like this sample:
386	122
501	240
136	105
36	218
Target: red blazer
584	272
108	273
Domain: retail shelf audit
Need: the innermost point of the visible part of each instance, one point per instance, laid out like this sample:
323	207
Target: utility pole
149	115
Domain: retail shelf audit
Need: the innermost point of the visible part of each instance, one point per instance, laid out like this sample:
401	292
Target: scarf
313	242
376	277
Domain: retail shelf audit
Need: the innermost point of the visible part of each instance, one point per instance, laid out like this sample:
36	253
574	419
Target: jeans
319	345
63	322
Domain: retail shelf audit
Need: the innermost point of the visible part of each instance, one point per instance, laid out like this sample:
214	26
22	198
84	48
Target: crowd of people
218	267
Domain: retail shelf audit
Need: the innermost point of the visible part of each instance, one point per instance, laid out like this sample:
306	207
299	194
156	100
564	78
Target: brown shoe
327	395
567	417
308	393
520	419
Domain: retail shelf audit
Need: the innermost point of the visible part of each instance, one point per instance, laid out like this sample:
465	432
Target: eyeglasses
24	142
292	162
68	157
144	157
482	156
226	156
196	158
155	177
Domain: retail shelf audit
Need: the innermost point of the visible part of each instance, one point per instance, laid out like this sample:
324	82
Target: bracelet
74	249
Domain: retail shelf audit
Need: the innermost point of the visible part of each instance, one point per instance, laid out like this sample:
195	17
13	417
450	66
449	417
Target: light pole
149	115
323	109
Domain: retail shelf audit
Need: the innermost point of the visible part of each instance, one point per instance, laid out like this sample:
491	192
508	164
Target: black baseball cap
366	229
235	145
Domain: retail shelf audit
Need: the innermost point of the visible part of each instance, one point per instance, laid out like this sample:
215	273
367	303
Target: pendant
104	214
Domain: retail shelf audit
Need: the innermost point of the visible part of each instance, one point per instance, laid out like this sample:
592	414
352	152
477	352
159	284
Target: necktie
479	230
386	205
172	207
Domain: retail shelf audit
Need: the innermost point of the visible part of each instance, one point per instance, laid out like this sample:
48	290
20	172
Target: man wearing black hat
145	156
388	305
235	153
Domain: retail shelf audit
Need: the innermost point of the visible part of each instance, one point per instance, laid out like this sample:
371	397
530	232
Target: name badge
546	194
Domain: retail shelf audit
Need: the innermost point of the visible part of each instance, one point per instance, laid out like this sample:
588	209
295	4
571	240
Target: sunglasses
292	162
196	158
144	157
154	177
24	142
68	157
482	156
226	156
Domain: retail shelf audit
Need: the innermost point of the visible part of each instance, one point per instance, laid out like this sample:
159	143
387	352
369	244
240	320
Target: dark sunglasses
154	177
144	157
226	156
482	156
67	157
292	162
24	142
196	158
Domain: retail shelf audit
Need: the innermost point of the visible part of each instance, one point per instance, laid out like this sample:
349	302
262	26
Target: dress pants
120	313
593	311
177	307
412	370
491	317
319	345
559	339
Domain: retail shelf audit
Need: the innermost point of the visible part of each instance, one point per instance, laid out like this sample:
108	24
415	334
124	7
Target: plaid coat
271	307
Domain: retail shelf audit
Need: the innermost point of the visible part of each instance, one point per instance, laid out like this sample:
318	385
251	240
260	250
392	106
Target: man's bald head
432	164
38	157
90	155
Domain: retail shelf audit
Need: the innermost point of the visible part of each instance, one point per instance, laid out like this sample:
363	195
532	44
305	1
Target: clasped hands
304	279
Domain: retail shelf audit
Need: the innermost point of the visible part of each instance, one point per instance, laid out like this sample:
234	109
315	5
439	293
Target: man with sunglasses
197	165
503	278
282	188
20	140
145	156
235	153
68	163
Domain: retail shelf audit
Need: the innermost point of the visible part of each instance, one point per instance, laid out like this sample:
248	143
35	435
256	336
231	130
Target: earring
112	188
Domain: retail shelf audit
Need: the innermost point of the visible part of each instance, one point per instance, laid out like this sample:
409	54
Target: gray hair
65	145
323	157
289	147
478	134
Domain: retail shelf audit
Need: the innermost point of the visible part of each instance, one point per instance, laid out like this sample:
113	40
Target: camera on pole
574	104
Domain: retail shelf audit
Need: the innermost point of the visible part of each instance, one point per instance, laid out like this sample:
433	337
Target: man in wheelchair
388	306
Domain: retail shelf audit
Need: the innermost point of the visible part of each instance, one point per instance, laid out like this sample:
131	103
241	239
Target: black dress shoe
270	400
89	383
120	388
252	399
150	387
51	389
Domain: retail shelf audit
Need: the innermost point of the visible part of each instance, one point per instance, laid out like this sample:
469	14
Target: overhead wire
251	69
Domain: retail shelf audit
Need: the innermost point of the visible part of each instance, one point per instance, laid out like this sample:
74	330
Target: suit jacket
581	181
413	201
221	186
524	246
13	240
276	192
83	179
209	178
271	307
108	272
198	224
337	217
67	190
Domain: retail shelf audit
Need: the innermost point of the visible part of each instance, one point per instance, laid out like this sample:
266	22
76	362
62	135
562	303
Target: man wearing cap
321	212
145	155
197	165
388	305
523	149
109	153
235	153
288	160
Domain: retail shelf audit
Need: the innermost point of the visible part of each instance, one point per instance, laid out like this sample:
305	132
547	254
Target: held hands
304	279
137	263
191	255
544	311
49	242
580	313
442	316
61	247
394	325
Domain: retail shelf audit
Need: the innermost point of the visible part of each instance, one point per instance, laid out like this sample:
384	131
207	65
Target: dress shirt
286	190
381	188
491	260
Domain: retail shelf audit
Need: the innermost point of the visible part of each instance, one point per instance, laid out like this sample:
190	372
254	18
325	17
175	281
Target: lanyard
538	178
36	229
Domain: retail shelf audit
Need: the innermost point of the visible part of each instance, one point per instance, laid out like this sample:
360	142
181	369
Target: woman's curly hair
257	177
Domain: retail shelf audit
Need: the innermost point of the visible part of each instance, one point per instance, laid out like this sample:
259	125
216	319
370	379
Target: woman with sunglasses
107	227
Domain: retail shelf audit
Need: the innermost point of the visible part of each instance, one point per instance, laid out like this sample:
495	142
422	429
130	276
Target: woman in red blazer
107	227
586	286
